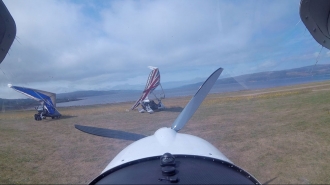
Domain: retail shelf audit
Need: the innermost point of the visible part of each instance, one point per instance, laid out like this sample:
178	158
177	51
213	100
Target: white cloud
93	44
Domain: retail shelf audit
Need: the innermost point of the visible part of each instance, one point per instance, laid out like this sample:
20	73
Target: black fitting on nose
167	163
167	159
168	170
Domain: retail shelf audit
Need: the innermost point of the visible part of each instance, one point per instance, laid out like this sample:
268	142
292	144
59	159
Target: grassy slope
278	134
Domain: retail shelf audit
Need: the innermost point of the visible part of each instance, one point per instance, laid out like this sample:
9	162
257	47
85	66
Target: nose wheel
37	117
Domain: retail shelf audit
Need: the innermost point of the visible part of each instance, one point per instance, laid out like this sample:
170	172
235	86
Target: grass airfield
280	133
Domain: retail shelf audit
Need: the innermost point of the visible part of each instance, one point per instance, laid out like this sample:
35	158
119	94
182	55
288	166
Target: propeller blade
196	101
104	132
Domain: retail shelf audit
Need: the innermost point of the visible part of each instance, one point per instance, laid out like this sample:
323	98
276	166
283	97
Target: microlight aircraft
169	156
152	83
47	100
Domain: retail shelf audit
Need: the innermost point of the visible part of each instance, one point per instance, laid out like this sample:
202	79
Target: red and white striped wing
152	83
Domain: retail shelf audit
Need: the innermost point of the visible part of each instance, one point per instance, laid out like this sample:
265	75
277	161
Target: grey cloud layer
84	45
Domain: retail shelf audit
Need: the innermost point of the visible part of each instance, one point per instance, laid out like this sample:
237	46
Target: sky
69	45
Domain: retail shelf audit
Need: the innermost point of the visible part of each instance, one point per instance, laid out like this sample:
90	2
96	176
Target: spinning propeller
177	125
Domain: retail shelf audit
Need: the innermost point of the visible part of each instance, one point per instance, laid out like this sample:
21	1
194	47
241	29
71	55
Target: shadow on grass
173	109
62	117
269	181
67	117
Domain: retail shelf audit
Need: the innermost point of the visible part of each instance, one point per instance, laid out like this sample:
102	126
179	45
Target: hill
319	70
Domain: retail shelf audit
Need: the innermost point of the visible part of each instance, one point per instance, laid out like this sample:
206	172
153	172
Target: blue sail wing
48	98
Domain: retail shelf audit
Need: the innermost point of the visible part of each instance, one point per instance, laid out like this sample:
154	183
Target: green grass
283	133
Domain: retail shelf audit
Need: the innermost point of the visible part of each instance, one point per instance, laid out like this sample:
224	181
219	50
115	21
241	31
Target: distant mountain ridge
320	69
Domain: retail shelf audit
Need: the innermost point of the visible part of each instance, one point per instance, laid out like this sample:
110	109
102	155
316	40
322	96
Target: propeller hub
165	136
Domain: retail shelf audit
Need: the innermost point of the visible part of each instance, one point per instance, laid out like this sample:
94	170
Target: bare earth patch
281	132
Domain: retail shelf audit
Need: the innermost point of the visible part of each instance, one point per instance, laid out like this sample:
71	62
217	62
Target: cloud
63	45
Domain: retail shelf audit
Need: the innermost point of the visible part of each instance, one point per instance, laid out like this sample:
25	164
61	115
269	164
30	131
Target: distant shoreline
29	104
